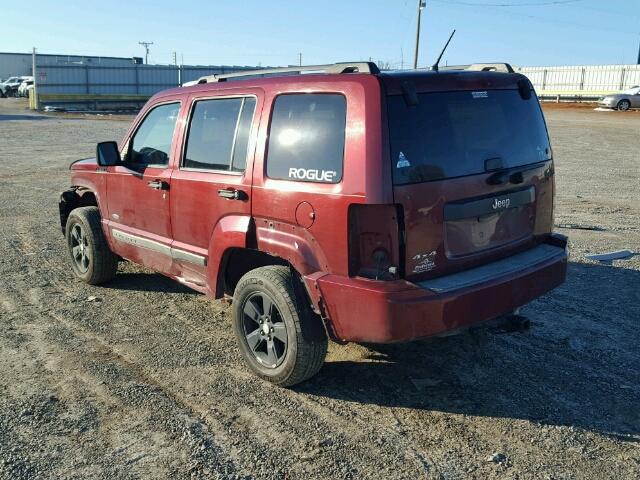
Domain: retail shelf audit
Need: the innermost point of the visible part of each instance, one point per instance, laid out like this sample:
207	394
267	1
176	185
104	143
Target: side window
219	134
151	144
306	138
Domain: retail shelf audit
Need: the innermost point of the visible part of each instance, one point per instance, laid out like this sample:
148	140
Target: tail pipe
515	323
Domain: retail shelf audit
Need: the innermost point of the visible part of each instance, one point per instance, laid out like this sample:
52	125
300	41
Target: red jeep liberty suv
333	201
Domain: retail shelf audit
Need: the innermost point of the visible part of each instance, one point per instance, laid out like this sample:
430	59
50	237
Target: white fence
581	81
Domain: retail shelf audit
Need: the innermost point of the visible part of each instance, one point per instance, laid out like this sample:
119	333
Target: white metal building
19	64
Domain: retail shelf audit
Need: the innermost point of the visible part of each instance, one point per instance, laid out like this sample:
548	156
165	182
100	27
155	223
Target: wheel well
87	198
238	261
73	198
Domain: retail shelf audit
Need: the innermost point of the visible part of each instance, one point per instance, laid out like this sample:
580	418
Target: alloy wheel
264	330
80	250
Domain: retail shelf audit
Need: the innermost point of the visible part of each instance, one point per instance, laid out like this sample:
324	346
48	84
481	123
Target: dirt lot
141	378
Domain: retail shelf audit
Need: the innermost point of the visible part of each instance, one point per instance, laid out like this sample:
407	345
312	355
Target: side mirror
107	154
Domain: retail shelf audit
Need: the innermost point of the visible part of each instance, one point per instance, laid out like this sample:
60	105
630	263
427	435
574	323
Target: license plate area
486	223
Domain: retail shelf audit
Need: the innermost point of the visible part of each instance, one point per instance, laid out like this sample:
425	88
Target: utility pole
300	59
146	46
421	5
178	69
35	80
639	53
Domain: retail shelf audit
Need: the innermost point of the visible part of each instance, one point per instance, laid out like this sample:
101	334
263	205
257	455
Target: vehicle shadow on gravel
575	367
147	282
4	118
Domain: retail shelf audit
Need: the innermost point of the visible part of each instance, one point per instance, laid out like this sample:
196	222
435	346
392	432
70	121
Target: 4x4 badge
402	161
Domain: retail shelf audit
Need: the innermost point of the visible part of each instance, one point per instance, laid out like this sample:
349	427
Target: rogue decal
311	174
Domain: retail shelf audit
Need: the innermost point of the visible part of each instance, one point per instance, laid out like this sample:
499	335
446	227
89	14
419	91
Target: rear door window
454	134
219	134
306	138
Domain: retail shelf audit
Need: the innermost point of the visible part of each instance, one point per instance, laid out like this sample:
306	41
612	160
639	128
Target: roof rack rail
343	67
482	67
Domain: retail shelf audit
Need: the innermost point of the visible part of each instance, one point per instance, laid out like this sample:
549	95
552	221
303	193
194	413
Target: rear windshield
453	134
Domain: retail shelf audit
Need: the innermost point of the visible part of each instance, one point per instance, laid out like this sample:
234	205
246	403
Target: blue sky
252	32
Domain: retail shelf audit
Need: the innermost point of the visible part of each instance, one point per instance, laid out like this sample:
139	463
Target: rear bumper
382	312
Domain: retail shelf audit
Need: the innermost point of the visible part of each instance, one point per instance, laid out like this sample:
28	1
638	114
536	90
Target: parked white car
9	88
25	86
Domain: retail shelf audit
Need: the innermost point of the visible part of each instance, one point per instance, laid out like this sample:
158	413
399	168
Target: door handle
233	194
158	185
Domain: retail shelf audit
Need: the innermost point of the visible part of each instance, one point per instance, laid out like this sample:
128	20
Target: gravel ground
141	378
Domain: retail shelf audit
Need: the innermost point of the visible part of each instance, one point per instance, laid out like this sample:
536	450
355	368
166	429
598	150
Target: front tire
91	259
624	105
280	337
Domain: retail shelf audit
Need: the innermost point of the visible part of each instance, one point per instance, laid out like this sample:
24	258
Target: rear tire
92	260
282	340
624	105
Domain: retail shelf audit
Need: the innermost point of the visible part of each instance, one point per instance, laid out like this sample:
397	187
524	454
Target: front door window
151	144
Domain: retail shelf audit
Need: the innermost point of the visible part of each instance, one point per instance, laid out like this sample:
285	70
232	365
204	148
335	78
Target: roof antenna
435	65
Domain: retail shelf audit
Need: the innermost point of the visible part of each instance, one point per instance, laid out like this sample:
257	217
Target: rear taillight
375	241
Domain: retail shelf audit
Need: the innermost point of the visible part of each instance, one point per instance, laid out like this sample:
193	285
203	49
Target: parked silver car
622	101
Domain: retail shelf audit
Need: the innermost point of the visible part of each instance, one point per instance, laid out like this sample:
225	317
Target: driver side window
151	144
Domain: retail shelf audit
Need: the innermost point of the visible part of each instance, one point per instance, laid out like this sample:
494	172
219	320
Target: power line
526	4
542	19
569	23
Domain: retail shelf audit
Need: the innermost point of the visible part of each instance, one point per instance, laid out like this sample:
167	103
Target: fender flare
232	231
71	199
240	232
300	249
294	245
82	185
95	184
